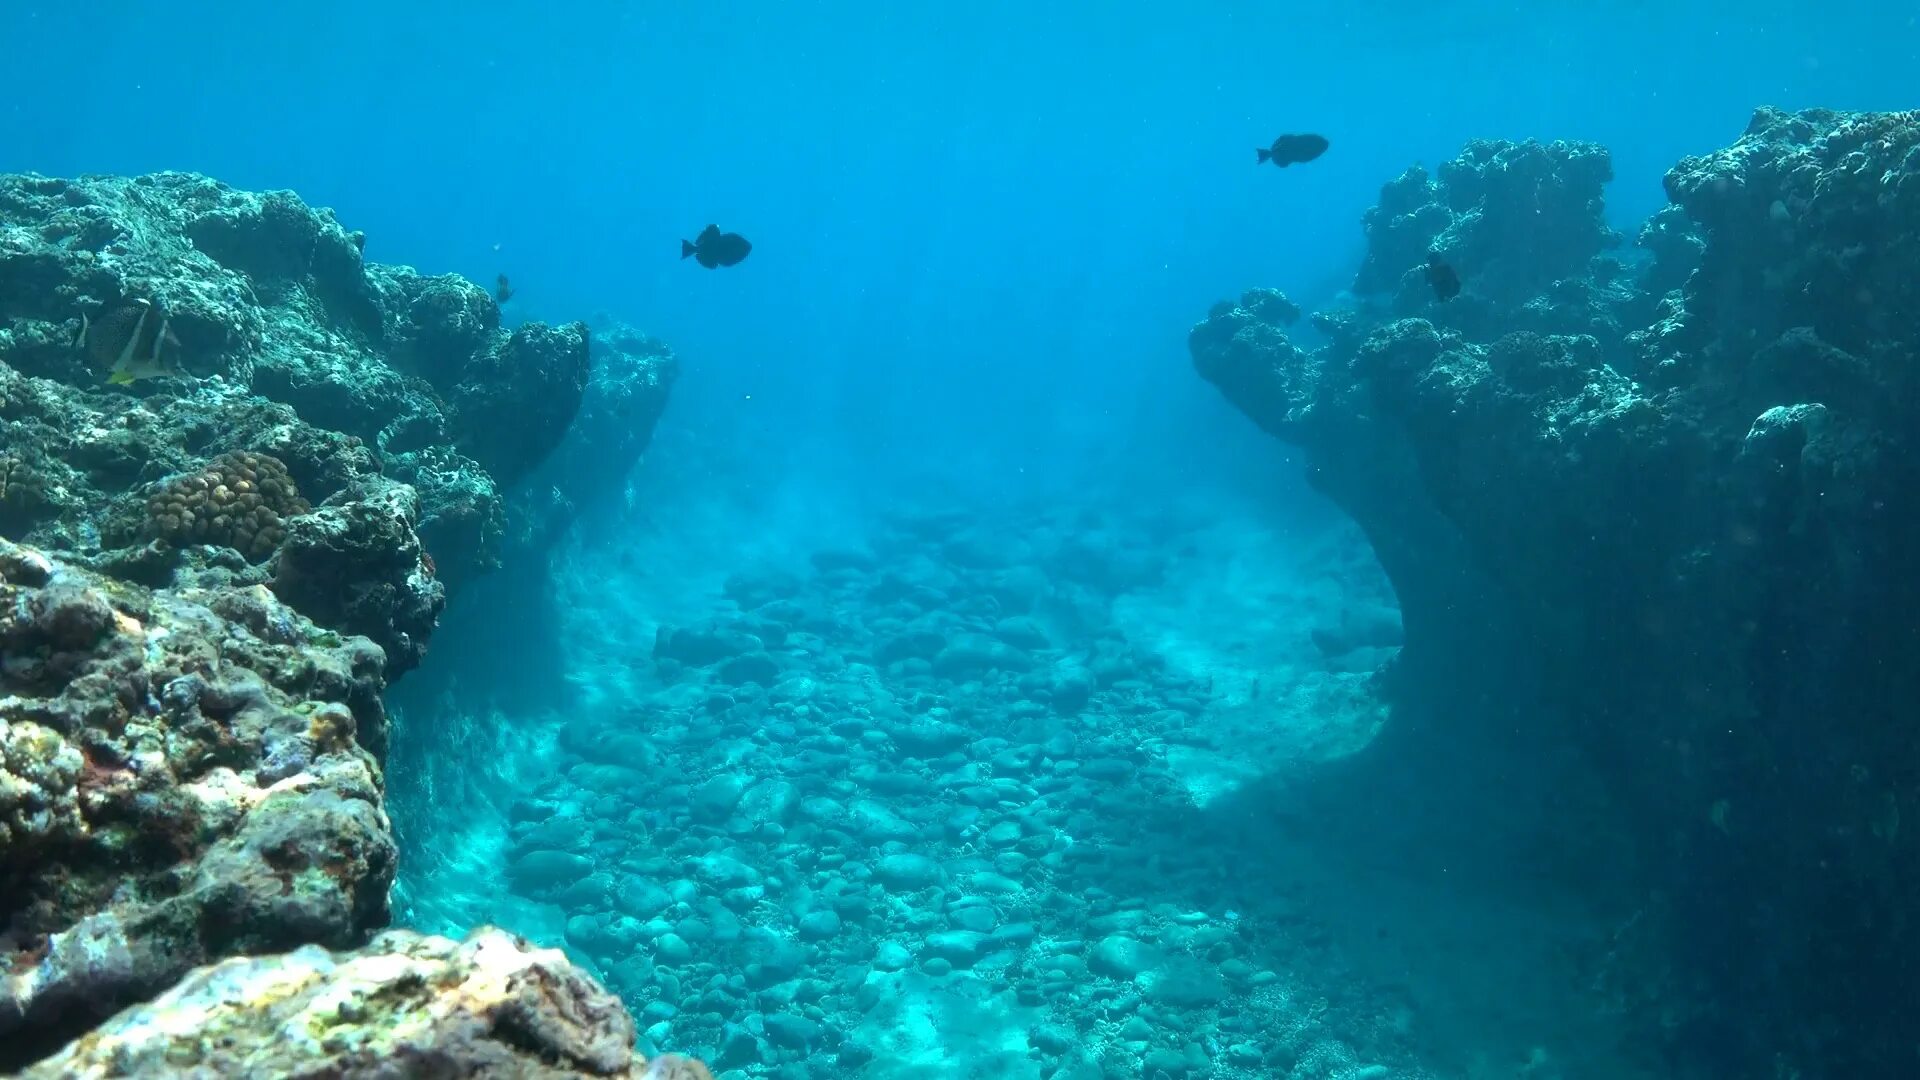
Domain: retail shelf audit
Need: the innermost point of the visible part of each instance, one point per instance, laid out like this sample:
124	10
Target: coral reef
183	780
405	1005
210	572
355	563
1695	500
273	297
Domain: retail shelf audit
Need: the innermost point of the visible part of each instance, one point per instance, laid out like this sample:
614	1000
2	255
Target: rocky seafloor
1625	698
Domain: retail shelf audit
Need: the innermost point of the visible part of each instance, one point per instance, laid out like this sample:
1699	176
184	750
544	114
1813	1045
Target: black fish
1446	283
1293	150
715	248
502	290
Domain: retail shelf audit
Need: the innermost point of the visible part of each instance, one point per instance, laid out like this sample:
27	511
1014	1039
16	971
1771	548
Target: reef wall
240	471
1676	491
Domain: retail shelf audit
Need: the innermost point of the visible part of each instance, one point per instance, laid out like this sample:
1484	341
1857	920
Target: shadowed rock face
1683	500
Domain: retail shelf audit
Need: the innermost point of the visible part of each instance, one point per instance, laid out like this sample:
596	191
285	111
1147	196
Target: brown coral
239	500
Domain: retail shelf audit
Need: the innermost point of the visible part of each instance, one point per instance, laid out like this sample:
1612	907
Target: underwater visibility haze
1330	542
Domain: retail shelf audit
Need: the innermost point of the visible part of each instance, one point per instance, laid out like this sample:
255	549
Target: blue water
981	234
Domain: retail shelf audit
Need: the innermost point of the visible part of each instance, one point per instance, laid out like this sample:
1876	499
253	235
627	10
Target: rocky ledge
406	1005
240	469
1661	504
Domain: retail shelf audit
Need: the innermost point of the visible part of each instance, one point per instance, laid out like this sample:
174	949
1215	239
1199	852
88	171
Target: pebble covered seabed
999	795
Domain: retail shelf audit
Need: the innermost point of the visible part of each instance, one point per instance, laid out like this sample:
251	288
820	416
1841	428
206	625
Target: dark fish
1446	283
502	289
133	340
1293	150
715	248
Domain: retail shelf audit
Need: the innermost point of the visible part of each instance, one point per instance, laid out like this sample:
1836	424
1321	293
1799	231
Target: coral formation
404	1005
356	563
183	779
241	500
1693	490
208	576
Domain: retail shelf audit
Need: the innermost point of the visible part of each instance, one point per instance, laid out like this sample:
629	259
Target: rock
892	956
757	667
1071	691
540	871
772	958
1051	1039
791	1031
1185	982
671	949
961	948
260	810
976	654
640	898
490	1004
702	647
915	645
1551	371
1121	957
928	739
818	925
715	799
514	398
906	872
1021	632
355	565
979	918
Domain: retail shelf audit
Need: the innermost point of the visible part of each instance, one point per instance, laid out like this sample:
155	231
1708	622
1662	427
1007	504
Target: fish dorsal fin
709	232
161	339
133	339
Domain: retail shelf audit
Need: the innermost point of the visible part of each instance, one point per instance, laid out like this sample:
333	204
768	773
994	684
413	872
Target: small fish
131	340
502	289
715	248
1446	283
1292	150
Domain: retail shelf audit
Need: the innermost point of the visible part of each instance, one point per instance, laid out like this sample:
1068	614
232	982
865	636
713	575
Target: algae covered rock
405	1005
355	563
181	779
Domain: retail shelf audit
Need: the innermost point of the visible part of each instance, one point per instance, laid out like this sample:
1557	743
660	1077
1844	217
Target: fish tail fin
686	249
120	378
1264	154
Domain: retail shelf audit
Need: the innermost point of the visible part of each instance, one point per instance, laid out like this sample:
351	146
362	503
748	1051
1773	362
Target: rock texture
208	577
1682	498
182	778
292	345
406	1005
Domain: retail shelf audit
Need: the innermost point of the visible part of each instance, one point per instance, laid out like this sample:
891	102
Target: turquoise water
959	687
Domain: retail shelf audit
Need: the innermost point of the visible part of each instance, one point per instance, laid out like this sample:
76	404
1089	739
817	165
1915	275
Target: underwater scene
1008	540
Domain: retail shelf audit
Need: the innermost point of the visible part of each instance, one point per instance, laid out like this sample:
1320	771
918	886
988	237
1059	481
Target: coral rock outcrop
1693	533
181	779
405	1005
